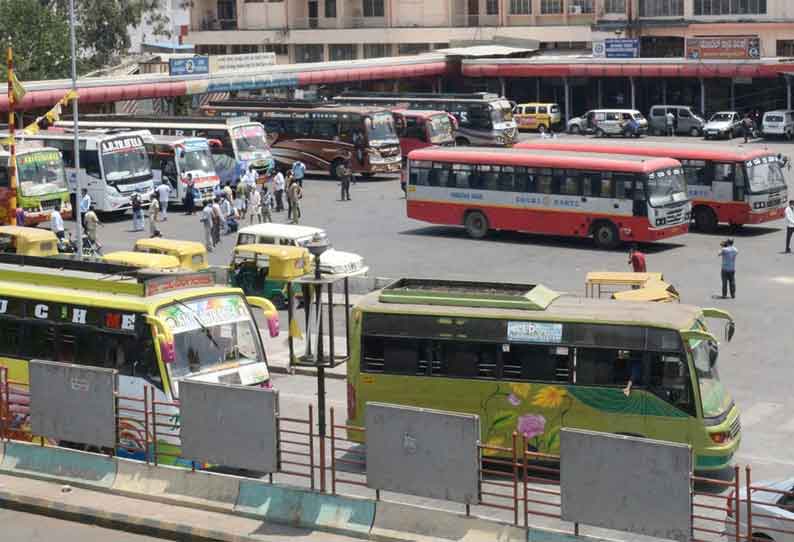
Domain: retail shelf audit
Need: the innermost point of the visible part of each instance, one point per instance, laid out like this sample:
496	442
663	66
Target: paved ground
24	527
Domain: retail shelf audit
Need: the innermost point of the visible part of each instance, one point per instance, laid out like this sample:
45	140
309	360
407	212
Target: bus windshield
712	393
440	128
501	111
666	186
765	173
211	332
250	141
195	159
380	128
41	173
125	163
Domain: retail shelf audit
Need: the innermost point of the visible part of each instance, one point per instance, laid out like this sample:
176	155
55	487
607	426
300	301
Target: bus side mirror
271	314
730	329
164	339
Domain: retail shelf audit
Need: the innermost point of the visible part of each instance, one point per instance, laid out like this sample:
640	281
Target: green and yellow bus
529	360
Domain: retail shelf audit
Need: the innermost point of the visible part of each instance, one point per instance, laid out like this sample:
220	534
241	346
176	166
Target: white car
773	512
727	124
332	261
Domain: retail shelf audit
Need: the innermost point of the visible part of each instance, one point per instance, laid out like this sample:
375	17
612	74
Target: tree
39	37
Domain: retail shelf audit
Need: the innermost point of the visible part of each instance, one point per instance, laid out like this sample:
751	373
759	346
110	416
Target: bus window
544	181
89	160
470	360
739	183
4	176
608	367
723	173
39	341
440	176
10	334
462	174
695	172
536	363
670	381
324	129
569	184
419	176
506	179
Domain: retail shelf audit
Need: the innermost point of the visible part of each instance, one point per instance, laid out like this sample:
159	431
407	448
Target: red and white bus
420	129
612	199
726	184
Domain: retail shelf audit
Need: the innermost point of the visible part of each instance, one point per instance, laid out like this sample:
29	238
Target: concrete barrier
167	484
299	508
52	462
400	522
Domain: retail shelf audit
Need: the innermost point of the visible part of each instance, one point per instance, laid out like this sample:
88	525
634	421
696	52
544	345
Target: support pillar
788	92
567	101
600	86
502	87
702	96
633	93
440	85
537	89
664	92
733	95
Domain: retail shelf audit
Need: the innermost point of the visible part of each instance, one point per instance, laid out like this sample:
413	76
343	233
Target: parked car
727	124
537	116
772	512
687	120
606	122
777	124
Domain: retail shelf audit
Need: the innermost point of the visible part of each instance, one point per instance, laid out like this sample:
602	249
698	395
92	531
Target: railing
711	509
14	408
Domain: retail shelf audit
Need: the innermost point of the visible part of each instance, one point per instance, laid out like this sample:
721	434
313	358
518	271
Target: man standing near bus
278	190
670	123
728	253
637	260
206	223
56	222
298	171
85	205
163	191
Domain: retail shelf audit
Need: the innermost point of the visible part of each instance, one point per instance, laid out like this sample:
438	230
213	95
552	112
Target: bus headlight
720	438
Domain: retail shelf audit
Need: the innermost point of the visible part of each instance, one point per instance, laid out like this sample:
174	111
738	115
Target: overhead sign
196	65
617	48
723	47
121	144
241	63
534	332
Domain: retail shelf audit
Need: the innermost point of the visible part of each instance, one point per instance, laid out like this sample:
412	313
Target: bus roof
98	135
425	114
544	158
564	308
173	140
385	96
328	108
27	147
175	123
678	151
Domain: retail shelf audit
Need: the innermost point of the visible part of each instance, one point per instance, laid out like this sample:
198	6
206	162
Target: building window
730	7
785	48
373	8
413	48
661	8
550	7
492	7
210	49
342	52
330	9
244	49
309	53
580	6
520	7
615	6
377	50
278	48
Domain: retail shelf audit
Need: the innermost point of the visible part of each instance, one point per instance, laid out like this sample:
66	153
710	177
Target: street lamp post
316	247
77	184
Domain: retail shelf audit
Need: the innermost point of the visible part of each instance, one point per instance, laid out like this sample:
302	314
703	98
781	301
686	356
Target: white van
333	262
606	122
778	124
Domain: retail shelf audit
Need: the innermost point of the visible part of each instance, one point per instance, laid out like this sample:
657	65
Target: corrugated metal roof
485	50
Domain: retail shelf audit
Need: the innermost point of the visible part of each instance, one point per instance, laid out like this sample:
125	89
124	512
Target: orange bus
727	184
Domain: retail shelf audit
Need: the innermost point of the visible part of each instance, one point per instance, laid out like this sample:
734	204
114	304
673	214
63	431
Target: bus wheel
337	168
476	224
605	235
705	220
461	142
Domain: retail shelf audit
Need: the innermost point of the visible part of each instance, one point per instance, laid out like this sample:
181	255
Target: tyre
599	132
694	132
705	220
461	142
542	129
730	134
574	129
605	235
656	132
787	136
476	224
336	169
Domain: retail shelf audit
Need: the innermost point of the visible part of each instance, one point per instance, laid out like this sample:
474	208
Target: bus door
722	181
164	168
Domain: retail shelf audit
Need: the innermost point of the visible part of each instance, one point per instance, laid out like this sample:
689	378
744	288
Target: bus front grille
50	204
736	427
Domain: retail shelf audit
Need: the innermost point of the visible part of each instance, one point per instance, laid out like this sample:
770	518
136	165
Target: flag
17	90
52	116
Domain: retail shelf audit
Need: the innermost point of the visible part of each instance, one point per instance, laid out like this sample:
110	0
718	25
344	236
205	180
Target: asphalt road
755	366
24	527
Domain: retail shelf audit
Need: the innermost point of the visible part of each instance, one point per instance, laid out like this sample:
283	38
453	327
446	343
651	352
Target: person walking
255	207
163	193
670	123
190	201
294	195
250	177
217	219
20	216
154	216
226	213
91	221
228	192
728	253
346	178
298	171
789	224
56	222
747	127
637	260
137	212
206	222
241	198
267	205
279	184
289	183
85	205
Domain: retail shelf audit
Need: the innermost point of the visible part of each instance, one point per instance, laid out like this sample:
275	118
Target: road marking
783	280
759	412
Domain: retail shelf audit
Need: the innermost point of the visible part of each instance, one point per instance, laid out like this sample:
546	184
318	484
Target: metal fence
515	484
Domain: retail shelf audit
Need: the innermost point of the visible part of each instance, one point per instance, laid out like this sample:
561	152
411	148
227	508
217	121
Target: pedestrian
294	195
250	177
206	222
255	207
267	206
288	181
241	198
404	178
637	260
85	205
278	190
345	178
228	193
747	127
163	193
20	216
217	191
137	212
226	213
217	219
56	222
789	224
728	254
91	221
154	215
298	171
670	123
190	201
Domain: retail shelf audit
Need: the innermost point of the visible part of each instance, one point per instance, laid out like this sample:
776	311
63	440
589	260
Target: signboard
159	285
534	332
205	312
121	144
723	47
38	157
241	63
196	65
63	313
617	48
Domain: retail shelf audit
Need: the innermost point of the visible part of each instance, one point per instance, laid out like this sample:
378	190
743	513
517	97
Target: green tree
39	37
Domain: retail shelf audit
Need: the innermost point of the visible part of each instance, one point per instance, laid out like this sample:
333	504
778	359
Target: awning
104	94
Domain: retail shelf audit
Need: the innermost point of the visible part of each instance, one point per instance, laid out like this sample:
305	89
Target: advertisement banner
241	63
196	65
617	48
723	47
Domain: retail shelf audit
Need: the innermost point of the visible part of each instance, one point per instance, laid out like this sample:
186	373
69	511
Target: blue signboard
197	65
621	48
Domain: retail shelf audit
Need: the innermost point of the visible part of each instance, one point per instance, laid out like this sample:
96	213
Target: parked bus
174	157
242	142
613	199
41	182
320	135
156	331
483	118
420	129
113	165
529	360
730	185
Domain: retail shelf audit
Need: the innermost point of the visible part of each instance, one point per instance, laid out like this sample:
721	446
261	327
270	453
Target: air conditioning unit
575	10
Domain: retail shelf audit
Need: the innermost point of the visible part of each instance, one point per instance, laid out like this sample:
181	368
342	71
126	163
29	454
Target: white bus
243	142
174	157
113	165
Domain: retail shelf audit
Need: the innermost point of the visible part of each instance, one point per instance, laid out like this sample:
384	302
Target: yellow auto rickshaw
264	270
192	255
28	241
629	286
143	260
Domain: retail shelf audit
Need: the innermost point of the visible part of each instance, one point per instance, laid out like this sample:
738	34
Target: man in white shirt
279	184
206	221
250	177
163	192
56	222
789	224
85	205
